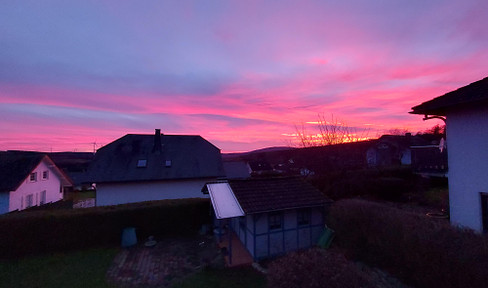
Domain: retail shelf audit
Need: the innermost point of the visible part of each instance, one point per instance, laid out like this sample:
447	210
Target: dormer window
141	163
33	177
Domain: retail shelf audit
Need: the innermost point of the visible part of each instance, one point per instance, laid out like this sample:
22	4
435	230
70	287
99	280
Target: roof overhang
63	177
224	201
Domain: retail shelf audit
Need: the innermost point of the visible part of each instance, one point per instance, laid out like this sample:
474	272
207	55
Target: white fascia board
224	201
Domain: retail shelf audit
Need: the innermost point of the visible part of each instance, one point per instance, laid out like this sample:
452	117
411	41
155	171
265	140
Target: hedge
421	251
316	268
59	230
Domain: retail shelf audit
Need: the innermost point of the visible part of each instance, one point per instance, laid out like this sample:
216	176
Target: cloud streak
241	74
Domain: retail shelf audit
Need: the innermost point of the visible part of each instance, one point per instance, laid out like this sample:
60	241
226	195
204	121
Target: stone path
163	264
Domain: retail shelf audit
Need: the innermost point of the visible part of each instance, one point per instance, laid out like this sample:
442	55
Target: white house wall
132	192
467	139
262	243
52	186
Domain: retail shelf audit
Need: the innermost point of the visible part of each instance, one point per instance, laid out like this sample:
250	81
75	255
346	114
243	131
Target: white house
29	179
140	167
270	216
466	114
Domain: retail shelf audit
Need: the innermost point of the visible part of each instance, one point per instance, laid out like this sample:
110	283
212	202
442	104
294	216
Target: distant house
260	168
138	168
270	216
466	114
236	170
75	165
422	152
430	159
29	179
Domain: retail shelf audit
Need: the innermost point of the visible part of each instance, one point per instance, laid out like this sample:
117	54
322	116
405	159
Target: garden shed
270	216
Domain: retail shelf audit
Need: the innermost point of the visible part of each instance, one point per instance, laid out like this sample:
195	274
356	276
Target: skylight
142	163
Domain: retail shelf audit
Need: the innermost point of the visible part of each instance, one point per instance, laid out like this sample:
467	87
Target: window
168	163
43	197
484	211
274	221
142	163
45	175
33	177
29	199
303	217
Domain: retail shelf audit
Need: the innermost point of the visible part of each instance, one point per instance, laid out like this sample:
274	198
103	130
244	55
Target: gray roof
167	157
472	95
15	166
275	194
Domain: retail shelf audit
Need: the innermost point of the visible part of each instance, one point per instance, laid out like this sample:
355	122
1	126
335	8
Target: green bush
59	230
316	268
423	252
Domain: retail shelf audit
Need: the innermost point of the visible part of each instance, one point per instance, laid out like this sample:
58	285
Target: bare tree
397	131
329	133
436	130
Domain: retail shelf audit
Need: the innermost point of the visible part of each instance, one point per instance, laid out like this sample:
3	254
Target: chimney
157	141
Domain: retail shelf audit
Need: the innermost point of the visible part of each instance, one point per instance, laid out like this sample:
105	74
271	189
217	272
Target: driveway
169	261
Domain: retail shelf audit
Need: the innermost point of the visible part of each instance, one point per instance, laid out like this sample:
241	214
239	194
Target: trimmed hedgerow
391	184
421	251
316	268
59	230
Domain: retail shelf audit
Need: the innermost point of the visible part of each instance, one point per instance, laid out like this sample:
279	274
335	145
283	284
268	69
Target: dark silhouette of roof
15	167
236	169
139	157
274	194
473	94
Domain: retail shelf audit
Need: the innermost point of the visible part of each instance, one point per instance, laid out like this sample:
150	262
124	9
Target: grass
438	197
242	277
85	268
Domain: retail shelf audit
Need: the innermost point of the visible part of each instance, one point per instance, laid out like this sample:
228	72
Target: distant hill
240	155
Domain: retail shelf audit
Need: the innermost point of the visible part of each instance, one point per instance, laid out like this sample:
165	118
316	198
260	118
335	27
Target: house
139	167
390	150
422	152
29	179
465	111
270	216
75	165
236	169
430	160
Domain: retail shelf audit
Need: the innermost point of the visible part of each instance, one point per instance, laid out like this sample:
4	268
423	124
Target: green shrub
60	230
421	251
316	268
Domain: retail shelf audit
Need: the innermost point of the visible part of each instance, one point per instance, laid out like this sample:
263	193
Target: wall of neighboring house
4	197
262	240
467	138
132	192
44	187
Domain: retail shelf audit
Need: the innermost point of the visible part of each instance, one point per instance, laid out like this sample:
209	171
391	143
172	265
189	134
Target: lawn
73	269
225	278
87	268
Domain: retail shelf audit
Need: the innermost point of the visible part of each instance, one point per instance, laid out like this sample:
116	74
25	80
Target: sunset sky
241	74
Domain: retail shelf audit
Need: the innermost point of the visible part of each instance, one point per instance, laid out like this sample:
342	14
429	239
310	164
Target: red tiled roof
272	194
472	94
